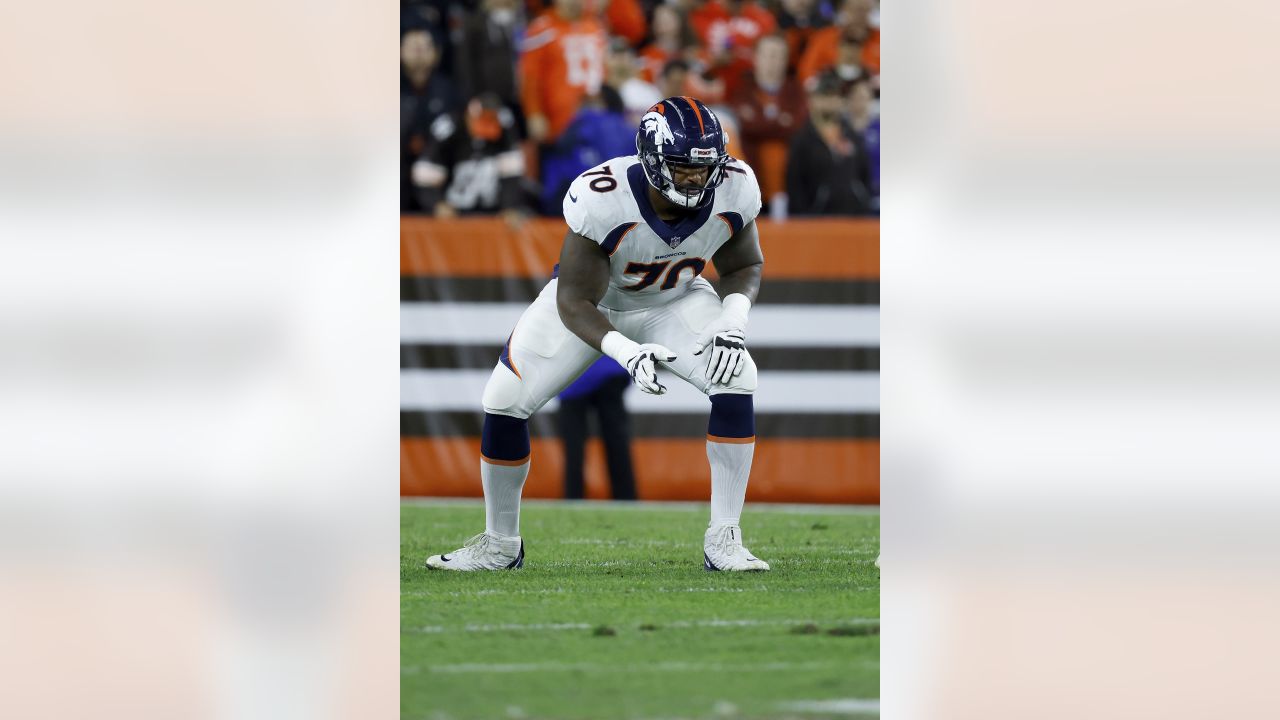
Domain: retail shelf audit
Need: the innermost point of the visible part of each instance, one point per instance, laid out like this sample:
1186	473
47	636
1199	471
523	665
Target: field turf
614	617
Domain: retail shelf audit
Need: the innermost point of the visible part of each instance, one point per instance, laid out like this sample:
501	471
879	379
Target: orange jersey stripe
622	239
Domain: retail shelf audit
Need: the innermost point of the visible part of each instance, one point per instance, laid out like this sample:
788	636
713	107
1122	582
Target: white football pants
546	357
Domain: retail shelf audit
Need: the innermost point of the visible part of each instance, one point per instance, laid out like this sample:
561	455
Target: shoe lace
477	544
726	540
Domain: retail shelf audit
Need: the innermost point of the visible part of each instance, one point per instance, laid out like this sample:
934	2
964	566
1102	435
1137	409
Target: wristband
734	309
618	346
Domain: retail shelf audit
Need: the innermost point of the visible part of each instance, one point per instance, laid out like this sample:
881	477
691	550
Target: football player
629	284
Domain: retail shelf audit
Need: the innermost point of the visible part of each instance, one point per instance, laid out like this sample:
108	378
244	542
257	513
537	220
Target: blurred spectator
487	54
770	107
679	77
827	170
672	81
862	108
625	19
435	17
425	95
578	93
864	117
851	46
561	62
729	30
596	134
799	20
474	166
633	95
600	388
702	81
671	35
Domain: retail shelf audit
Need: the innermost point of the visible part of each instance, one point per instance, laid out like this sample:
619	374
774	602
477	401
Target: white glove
639	360
727	336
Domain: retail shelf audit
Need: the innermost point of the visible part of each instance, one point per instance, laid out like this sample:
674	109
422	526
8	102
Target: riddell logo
703	153
663	257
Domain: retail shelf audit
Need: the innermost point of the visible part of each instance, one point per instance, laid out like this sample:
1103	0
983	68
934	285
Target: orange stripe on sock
697	112
731	441
508	463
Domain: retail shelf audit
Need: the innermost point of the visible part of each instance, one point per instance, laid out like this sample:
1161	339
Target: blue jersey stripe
614	238
734	220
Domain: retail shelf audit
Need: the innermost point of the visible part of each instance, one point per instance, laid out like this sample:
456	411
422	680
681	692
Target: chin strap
681	199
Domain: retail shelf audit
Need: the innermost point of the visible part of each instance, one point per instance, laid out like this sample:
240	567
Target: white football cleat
722	550
482	552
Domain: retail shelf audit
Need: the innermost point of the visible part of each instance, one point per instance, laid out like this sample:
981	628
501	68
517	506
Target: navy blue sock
504	438
732	416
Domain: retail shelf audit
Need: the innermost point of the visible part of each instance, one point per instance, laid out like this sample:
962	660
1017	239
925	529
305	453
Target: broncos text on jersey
652	262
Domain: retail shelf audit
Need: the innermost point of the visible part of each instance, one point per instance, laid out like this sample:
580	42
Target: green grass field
614	617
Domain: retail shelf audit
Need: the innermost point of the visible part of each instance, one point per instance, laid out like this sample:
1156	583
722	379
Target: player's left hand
727	337
728	352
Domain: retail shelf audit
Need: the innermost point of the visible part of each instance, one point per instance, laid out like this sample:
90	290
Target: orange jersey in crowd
797	43
626	20
824	48
652	59
561	61
737	34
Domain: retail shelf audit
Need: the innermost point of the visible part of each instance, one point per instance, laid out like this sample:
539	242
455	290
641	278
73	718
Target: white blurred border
1080	336
198	385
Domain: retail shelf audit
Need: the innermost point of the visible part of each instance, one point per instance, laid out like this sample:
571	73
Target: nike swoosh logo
571	197
444	558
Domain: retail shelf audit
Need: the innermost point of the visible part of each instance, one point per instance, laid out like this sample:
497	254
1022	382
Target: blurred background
199	212
504	102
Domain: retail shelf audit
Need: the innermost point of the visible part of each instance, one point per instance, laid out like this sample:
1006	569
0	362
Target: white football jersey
651	262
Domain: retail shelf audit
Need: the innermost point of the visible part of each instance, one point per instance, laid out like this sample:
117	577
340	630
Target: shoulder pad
592	206
742	189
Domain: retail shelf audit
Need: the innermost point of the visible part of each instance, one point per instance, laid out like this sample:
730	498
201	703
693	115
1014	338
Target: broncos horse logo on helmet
682	132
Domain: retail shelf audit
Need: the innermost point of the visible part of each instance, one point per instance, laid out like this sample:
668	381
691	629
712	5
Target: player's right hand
641	361
643	367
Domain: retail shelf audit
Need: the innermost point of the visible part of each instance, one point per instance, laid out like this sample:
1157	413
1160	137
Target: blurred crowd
504	102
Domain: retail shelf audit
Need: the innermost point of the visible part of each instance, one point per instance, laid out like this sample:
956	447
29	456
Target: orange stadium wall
461	272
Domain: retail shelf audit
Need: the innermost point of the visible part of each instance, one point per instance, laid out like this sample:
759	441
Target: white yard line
815	509
607	591
869	546
433	629
841	706
628	668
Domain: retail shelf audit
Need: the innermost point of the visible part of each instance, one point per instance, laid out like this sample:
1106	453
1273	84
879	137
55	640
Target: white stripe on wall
779	391
770	326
